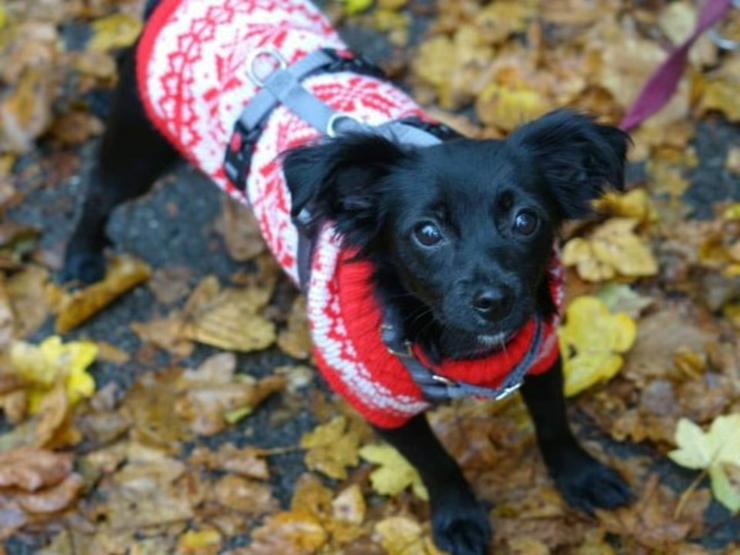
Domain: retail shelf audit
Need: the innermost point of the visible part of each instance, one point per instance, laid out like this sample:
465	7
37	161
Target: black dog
460	235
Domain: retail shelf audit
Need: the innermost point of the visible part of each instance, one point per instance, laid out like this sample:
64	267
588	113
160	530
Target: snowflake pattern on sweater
191	65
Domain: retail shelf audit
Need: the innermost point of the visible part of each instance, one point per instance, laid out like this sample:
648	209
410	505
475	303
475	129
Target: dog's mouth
495	341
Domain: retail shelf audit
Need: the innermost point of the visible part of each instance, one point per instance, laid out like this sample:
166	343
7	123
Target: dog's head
461	232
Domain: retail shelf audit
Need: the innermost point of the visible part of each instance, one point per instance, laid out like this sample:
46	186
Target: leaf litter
648	333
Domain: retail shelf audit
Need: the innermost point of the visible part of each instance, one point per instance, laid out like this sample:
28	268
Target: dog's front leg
460	523
583	481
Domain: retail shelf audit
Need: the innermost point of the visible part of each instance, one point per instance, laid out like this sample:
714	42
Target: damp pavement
174	226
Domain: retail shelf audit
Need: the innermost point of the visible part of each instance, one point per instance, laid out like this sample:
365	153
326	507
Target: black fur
484	279
378	192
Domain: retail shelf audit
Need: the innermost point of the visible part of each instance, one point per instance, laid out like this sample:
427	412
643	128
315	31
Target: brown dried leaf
228	319
26	291
287	533
54	498
402	535
295	340
240	231
25	113
31	468
651	522
171	284
149	406
246	496
213	397
124	273
248	461
166	334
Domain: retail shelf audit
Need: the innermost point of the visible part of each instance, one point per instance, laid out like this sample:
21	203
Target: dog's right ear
342	180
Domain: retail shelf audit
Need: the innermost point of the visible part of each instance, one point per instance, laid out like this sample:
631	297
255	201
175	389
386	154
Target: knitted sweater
192	79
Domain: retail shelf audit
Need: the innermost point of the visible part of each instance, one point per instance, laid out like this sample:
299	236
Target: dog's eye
427	234
525	223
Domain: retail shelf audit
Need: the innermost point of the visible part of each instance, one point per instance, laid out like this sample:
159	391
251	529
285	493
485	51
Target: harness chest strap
283	86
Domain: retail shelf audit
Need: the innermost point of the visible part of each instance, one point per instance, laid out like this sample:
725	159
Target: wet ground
174	226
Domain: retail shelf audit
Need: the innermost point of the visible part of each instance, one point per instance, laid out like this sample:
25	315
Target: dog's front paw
587	484
462	527
85	267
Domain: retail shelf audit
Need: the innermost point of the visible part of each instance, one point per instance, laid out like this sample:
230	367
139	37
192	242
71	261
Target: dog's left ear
577	157
342	180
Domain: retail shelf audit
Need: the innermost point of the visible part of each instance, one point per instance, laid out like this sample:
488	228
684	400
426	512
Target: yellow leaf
352	7
732	212
723	490
395	473
634	204
200	542
702	450
508	106
332	447
710	451
592	341
53	361
612	248
349	505
114	31
401	535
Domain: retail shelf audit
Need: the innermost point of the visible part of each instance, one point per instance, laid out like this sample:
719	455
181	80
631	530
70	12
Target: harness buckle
238	156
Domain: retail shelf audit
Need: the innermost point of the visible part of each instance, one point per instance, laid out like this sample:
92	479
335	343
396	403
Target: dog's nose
493	303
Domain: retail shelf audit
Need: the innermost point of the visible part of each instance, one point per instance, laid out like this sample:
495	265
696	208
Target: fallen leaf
166	334
26	292
710	451
402	535
394	474
213	395
114	31
352	7
622	298
349	505
52	499
171	284
295	340
635	204
248	461
332	447
288	533
207	541
592	341
51	362
246	496
650	521
229	319
31	468
123	274
25	113
507	107
611	249
240	231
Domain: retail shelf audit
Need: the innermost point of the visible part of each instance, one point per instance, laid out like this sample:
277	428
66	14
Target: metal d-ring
282	63
331	125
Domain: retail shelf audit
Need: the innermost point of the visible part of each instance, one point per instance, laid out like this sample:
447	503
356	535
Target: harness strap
283	86
438	388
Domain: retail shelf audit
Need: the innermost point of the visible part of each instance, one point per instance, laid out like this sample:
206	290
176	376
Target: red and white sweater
192	78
